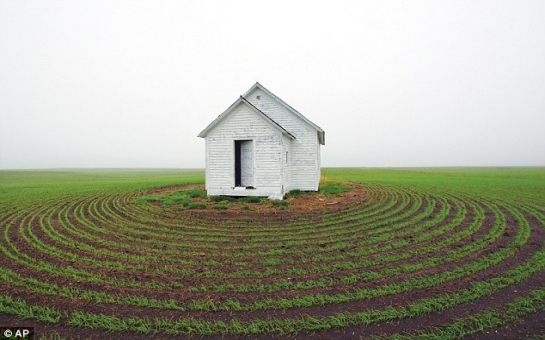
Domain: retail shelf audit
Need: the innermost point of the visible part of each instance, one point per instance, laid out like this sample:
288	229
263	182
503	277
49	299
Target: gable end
320	132
243	101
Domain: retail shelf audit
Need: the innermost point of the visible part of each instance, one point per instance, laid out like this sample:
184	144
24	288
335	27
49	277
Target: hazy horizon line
324	167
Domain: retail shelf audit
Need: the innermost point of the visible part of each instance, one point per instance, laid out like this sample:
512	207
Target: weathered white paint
281	152
247	163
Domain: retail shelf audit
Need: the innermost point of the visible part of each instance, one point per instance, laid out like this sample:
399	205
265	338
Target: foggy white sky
393	83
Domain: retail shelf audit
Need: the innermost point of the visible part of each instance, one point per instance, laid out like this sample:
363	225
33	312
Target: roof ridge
285	104
241	99
319	130
266	115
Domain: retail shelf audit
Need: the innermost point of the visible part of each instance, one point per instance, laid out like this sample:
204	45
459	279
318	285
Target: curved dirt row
348	269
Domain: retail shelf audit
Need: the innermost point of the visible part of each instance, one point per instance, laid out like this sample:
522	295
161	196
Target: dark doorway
244	164
237	163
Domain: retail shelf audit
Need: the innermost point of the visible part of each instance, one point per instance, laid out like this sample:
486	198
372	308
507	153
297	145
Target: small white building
261	146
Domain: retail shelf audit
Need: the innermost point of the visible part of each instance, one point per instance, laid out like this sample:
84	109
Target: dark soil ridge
161	277
130	218
496	300
337	273
527	327
347	201
305	204
98	287
98	244
227	234
225	246
330	308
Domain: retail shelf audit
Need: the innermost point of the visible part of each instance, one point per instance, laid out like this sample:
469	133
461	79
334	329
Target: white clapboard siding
304	167
286	164
286	147
243	124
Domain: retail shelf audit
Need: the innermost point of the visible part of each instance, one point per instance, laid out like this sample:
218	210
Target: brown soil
122	212
306	203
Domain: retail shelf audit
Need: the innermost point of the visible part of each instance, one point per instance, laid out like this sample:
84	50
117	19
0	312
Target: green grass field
526	184
432	253
508	183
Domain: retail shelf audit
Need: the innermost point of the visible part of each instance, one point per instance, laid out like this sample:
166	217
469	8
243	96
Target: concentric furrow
417	257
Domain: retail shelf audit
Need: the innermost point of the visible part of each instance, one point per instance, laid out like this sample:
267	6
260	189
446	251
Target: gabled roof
321	133
243	101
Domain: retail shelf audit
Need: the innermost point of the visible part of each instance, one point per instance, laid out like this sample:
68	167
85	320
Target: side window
286	159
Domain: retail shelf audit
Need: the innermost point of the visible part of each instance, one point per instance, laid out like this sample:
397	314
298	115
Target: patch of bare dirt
305	203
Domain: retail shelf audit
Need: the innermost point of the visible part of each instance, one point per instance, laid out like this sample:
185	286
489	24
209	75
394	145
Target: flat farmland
409	253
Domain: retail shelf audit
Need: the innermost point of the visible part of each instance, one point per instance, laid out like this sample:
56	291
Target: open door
244	163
